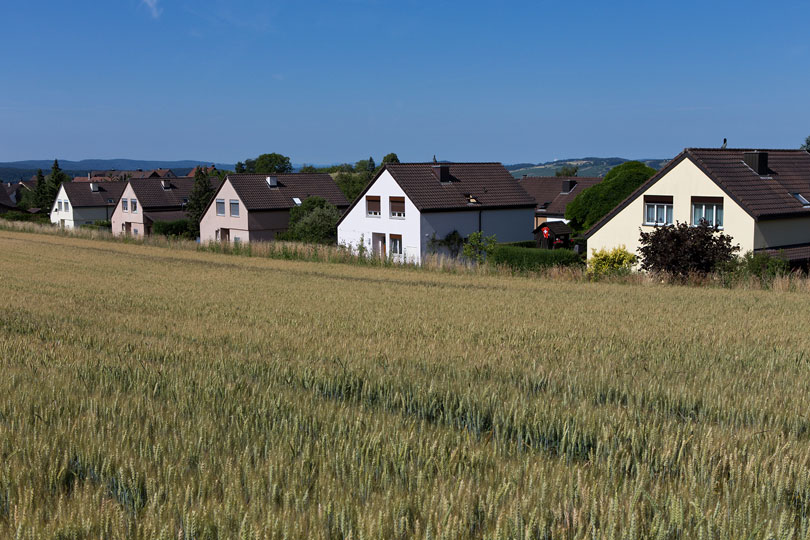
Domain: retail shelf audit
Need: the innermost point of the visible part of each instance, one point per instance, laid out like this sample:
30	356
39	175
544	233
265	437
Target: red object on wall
545	232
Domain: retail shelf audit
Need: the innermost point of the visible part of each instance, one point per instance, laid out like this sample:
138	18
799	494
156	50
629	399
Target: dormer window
801	198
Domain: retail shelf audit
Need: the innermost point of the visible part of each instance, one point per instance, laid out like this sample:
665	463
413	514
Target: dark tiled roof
165	215
5	200
794	253
80	194
762	197
557	227
548	194
489	183
151	194
256	194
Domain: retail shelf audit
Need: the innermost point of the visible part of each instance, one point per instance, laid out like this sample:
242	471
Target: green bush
757	265
525	244
478	247
615	262
596	201
16	215
521	258
181	228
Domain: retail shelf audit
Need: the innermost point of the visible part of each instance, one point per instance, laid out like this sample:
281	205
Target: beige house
761	198
256	207
147	200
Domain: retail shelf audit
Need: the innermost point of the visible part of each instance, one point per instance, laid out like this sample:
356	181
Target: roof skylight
799	197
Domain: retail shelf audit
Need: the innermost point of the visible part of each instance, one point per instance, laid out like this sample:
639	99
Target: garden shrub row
522	258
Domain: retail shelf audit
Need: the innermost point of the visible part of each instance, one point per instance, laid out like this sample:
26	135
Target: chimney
442	172
94	187
758	161
167	184
568	186
272	181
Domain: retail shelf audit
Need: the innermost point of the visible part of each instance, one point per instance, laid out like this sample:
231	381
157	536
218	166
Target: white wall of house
358	226
212	224
682	182
128	222
73	216
781	232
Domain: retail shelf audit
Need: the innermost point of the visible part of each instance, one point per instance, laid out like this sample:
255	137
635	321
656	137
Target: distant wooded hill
23	170
588	166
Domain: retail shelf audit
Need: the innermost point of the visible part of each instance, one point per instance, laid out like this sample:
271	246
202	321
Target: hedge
180	227
521	258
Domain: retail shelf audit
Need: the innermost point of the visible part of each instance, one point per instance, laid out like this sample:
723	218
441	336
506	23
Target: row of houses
761	198
400	214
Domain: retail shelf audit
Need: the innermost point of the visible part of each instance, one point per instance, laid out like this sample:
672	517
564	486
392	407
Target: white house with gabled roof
409	209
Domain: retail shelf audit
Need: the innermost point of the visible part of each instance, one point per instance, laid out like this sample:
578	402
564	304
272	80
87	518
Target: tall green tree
240	167
198	199
567	170
806	145
595	202
390	158
315	222
48	187
269	164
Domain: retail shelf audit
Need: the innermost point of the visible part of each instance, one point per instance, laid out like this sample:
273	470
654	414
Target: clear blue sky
338	81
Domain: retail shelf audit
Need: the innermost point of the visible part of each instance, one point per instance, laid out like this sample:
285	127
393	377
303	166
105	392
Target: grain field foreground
151	393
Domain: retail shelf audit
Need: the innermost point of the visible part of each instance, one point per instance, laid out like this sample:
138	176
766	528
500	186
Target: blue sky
327	82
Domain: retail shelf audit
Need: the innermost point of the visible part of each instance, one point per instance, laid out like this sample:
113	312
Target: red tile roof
256	194
548	191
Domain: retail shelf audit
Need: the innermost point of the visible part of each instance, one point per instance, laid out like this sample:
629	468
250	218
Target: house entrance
378	244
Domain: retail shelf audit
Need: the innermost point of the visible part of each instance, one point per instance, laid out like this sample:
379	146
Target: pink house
255	207
147	200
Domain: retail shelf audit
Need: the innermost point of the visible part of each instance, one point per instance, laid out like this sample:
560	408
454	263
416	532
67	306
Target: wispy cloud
153	8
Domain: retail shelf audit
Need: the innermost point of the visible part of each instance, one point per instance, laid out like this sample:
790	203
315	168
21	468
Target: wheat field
156	393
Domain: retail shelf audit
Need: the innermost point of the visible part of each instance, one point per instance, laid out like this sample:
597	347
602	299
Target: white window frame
396	215
133	206
704	206
125	205
59	206
391	244
369	213
668	213
217	202
67	206
231	203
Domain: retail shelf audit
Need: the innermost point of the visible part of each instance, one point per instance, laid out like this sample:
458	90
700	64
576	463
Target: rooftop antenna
724	144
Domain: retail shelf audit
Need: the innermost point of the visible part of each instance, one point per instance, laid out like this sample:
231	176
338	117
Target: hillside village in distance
759	198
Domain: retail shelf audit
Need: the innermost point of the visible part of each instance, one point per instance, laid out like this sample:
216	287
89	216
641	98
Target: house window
708	208
67	207
657	210
125	205
397	207
802	199
396	244
135	232
134	204
372	205
297	201
59	203
234	208
220	207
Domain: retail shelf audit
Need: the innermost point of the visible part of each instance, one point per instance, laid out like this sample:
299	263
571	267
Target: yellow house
761	198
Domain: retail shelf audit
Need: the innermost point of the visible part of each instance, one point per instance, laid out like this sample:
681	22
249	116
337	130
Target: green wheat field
148	393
